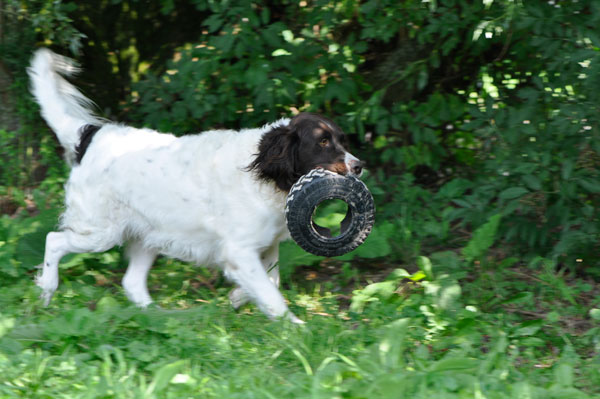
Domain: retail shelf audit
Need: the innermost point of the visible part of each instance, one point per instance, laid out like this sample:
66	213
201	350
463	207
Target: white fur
63	106
190	198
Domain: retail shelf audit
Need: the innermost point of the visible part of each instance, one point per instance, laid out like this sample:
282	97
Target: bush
494	107
462	110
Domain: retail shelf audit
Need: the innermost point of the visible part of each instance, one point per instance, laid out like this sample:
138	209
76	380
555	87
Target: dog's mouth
355	168
337	167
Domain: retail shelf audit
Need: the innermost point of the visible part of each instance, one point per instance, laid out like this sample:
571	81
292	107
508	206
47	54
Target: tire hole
328	216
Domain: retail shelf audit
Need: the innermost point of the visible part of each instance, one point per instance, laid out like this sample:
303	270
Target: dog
216	198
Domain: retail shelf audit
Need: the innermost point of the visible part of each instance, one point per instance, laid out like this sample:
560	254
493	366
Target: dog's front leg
246	269
269	259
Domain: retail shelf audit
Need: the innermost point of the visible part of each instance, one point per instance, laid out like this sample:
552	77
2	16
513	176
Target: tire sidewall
316	187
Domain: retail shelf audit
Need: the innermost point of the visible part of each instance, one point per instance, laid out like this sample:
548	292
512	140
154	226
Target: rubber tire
317	186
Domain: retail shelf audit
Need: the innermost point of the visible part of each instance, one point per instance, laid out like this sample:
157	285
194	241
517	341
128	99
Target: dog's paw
238	298
295	320
46	297
48	283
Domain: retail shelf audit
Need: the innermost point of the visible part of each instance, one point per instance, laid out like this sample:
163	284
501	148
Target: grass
470	323
501	331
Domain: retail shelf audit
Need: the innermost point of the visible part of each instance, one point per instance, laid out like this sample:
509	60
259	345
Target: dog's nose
356	167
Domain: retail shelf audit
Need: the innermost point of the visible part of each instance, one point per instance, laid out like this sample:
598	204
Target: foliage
542	137
436	331
28	152
475	105
419	336
488	106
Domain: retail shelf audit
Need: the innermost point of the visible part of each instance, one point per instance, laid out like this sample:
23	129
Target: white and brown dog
215	198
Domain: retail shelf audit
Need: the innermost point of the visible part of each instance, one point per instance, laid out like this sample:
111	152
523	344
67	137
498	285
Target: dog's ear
277	157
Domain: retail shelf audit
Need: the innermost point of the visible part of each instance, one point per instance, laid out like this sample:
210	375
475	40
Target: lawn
443	327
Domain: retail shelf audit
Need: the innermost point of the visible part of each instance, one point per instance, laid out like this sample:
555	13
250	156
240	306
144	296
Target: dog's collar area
87	133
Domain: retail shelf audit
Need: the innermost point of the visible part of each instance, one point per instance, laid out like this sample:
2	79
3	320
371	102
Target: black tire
317	186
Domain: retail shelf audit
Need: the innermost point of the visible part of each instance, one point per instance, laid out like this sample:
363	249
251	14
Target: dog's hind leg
136	276
59	244
269	259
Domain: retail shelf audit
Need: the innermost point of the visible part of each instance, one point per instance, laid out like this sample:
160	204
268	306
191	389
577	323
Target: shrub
462	110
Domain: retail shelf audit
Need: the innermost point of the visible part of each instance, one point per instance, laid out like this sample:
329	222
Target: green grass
456	324
507	331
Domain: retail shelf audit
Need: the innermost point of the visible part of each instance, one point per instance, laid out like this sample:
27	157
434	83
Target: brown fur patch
338	167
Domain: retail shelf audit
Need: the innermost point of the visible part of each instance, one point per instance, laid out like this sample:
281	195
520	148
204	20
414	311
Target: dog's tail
64	108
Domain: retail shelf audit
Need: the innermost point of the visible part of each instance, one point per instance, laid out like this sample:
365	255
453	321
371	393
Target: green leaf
508	262
6	324
30	248
288	36
446	261
377	243
589	185
213	22
454	188
164	375
422	79
279	52
392	344
418	276
512	193
448	295
399	274
528	328
265	15
372	292
567	169
553	317
563	374
454	363
107	303
482	239
425	265
532	182
520	297
291	255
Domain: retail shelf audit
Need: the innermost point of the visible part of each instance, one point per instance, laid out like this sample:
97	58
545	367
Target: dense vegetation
479	123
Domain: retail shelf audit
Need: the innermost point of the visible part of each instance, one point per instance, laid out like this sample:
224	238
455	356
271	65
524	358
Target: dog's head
309	141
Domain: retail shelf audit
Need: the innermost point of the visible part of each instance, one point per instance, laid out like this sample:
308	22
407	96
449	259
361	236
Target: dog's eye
324	142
